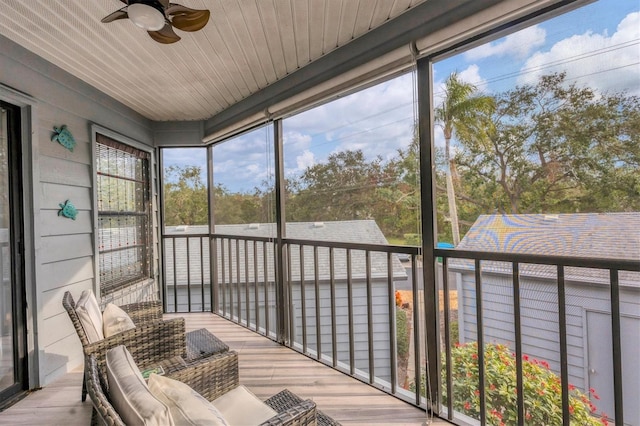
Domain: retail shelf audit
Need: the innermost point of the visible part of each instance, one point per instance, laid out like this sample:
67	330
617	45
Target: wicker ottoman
201	344
286	399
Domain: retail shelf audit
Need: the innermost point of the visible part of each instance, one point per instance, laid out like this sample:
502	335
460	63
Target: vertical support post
352	358
370	317
247	305
517	323
175	277
281	296
564	367
188	275
222	271
447	337
238	281
334	338
429	231
213	243
416	335
229	284
256	296
303	300
163	281
316	273
265	265
393	340
201	275
288	289
480	332
617	346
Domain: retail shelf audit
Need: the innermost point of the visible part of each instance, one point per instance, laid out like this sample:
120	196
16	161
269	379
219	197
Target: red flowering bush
542	389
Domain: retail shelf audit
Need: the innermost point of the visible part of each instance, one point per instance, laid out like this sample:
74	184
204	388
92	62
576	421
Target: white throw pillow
241	407
115	320
129	393
187	406
90	316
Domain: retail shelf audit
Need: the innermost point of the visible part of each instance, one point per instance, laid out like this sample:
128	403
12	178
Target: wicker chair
153	337
211	378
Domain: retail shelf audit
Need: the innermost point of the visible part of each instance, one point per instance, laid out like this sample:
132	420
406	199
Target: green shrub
542	389
413	239
402	332
454	332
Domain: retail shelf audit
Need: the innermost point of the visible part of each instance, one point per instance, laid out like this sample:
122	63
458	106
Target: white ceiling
247	45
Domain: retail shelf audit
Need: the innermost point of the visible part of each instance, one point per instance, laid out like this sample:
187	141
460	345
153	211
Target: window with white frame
124	214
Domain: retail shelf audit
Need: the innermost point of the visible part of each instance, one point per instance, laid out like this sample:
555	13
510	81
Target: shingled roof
595	235
353	231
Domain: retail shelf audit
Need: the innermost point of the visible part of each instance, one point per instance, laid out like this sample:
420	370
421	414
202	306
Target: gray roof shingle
595	235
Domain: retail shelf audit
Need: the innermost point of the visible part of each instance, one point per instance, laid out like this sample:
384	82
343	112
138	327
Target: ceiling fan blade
118	14
166	35
187	19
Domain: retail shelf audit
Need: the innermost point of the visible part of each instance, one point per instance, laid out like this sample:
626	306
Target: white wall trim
31	213
95	129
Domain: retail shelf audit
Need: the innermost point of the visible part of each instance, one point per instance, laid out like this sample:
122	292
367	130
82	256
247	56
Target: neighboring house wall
539	316
63	249
587	293
540	335
362	231
380	323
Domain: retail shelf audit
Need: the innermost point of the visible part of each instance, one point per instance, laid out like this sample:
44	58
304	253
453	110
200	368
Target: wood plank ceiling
247	45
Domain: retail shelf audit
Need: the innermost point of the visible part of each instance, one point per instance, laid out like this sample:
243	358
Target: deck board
265	367
57	404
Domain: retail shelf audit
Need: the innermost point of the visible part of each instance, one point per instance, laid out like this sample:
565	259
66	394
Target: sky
597	46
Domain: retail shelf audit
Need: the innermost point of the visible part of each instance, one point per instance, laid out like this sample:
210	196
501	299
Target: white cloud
472	75
518	45
297	139
306	160
244	162
378	120
254	169
595	60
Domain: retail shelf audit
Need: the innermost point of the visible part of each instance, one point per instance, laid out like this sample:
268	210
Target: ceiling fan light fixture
146	16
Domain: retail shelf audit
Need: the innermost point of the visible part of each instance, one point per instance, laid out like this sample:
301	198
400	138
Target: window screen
124	214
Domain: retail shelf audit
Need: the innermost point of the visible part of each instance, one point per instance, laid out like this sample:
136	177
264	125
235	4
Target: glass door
13	377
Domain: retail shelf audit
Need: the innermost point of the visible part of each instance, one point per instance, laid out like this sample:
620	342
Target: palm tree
461	111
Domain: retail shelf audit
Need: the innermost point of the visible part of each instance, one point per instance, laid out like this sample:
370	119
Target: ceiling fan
159	17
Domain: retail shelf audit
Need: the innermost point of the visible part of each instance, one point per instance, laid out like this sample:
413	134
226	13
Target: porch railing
341	308
561	293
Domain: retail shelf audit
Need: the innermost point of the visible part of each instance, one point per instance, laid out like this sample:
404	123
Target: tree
555	147
185	196
342	188
462	111
399	196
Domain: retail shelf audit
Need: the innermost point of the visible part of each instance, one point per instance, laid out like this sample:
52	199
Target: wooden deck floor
57	404
265	368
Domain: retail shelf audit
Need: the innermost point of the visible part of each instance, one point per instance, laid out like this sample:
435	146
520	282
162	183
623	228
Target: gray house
245	280
607	235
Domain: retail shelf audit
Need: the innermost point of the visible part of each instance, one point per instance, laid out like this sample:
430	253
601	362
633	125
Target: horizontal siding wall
380	320
64	248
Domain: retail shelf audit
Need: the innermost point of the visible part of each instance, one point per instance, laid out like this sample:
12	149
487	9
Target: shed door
600	364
